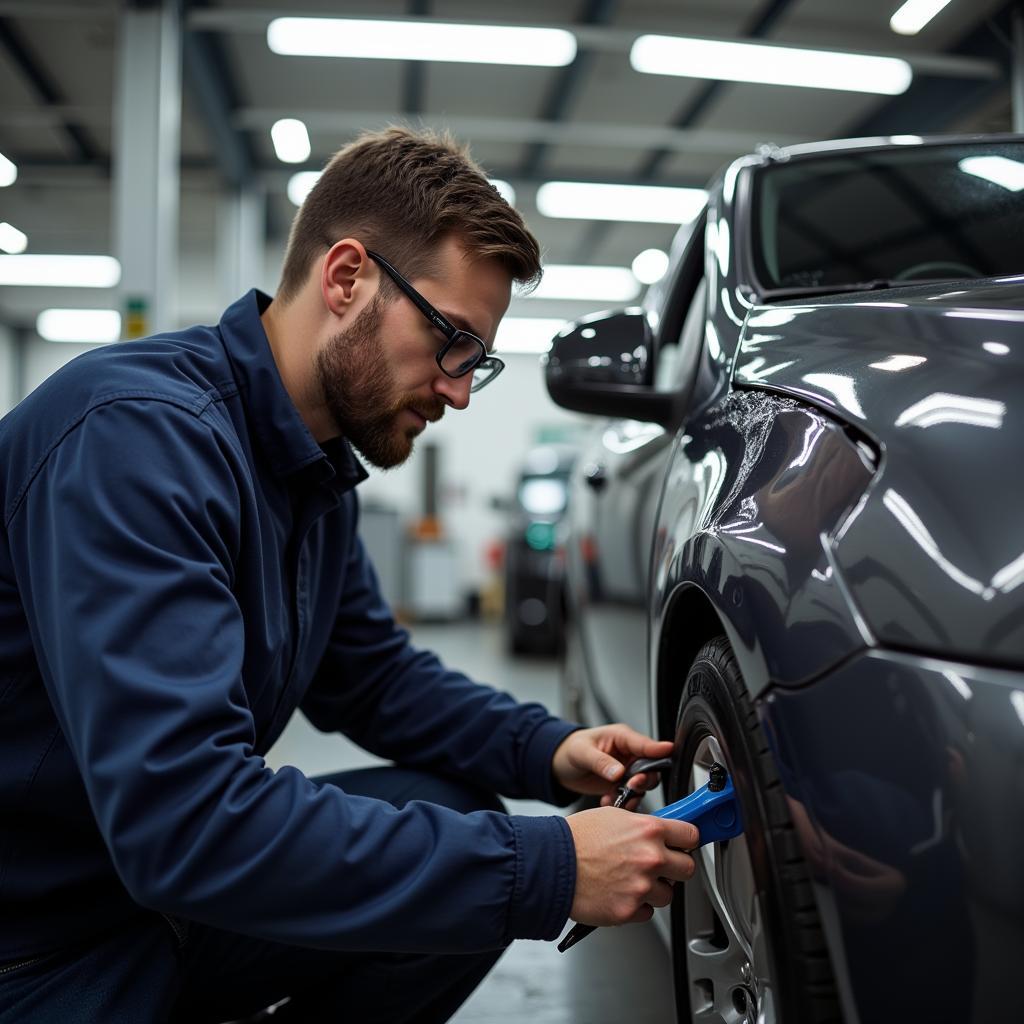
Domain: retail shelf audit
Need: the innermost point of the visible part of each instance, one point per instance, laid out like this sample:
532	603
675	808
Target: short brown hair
400	192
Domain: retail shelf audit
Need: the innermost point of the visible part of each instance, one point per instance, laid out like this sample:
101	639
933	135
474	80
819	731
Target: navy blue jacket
180	570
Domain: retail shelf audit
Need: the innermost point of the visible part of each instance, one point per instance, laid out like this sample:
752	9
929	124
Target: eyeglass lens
462	355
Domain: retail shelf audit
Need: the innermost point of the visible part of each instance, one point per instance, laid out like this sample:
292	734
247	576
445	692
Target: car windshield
877	219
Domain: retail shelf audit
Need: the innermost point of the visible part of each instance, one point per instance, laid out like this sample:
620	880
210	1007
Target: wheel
747	943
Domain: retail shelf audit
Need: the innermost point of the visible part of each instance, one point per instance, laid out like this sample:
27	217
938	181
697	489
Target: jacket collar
273	420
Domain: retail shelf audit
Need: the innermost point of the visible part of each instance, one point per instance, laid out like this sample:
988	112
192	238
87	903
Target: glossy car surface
797	547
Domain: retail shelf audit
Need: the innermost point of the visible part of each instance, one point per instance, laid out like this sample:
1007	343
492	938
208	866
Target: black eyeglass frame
452	333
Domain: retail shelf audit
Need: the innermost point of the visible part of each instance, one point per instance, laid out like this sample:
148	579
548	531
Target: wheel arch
690	618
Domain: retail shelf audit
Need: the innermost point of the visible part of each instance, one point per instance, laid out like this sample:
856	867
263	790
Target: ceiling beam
414	77
932	104
695	108
569	82
207	76
44	88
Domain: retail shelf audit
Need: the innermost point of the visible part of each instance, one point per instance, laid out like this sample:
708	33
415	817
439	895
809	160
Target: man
181	570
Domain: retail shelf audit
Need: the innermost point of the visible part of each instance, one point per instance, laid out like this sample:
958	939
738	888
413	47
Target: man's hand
593	761
626	864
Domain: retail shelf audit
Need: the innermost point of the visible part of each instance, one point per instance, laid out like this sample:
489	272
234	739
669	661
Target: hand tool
713	808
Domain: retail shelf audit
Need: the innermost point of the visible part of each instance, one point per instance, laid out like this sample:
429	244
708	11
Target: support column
146	162
241	242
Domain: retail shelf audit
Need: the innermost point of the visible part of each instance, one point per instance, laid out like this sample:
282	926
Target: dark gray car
798	549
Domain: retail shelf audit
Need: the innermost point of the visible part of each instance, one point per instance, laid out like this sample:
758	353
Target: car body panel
932	378
756	479
908	761
840	498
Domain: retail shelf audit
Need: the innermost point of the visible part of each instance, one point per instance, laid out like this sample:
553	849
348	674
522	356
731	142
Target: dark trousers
154	970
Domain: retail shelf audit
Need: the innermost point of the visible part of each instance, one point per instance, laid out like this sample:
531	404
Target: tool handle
716	813
577	932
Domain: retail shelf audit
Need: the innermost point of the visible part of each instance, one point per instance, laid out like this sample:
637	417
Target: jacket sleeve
124	545
402	703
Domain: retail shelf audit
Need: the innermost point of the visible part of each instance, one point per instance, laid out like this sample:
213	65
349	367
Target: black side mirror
604	365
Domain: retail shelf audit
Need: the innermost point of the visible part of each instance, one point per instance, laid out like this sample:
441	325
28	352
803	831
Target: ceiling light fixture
584	283
650	204
770	65
82	325
291	140
37	270
421	40
505	190
519	334
12	240
8	172
997	169
914	15
650	266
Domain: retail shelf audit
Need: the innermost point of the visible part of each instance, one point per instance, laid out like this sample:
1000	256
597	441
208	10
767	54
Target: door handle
596	476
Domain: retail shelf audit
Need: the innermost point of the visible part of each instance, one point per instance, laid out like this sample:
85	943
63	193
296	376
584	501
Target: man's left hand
593	761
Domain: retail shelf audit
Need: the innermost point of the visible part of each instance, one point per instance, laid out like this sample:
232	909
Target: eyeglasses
462	352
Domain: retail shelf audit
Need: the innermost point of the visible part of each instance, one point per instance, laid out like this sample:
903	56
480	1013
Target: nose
454	390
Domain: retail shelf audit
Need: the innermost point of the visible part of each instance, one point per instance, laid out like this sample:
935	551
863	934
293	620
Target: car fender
752	499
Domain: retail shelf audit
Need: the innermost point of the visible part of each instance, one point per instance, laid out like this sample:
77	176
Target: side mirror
603	365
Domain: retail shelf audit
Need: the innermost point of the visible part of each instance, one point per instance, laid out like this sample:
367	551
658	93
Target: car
533	560
796	548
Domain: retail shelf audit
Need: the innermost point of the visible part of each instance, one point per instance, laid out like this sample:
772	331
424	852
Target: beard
358	389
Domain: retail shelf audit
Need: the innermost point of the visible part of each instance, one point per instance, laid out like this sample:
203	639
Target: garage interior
159	134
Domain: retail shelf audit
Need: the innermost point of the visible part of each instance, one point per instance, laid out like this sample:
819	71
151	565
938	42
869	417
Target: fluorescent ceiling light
421	40
81	325
291	140
914	15
997	169
60	271
11	239
772	65
906	140
301	184
650	204
526	334
505	190
8	172
596	284
650	266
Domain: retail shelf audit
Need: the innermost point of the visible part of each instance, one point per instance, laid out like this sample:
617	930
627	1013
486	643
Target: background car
797	548
534	556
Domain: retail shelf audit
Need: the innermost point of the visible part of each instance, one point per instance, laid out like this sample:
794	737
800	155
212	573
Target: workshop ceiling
596	119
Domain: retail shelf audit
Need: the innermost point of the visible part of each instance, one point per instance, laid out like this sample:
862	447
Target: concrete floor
617	973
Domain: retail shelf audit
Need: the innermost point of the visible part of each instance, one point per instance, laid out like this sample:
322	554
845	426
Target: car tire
746	937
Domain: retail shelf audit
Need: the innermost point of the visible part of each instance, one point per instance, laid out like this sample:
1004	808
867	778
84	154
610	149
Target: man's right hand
626	864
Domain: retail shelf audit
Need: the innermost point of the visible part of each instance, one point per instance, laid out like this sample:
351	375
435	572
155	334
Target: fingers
680	835
678	866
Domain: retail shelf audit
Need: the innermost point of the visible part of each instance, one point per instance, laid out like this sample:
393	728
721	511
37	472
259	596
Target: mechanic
181	570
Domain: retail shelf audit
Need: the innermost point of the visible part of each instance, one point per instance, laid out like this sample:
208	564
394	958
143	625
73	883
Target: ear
347	276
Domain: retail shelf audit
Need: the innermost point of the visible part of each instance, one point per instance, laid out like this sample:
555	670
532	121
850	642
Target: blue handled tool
713	808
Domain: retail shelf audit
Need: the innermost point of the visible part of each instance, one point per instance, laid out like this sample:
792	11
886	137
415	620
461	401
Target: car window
675	360
923	212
